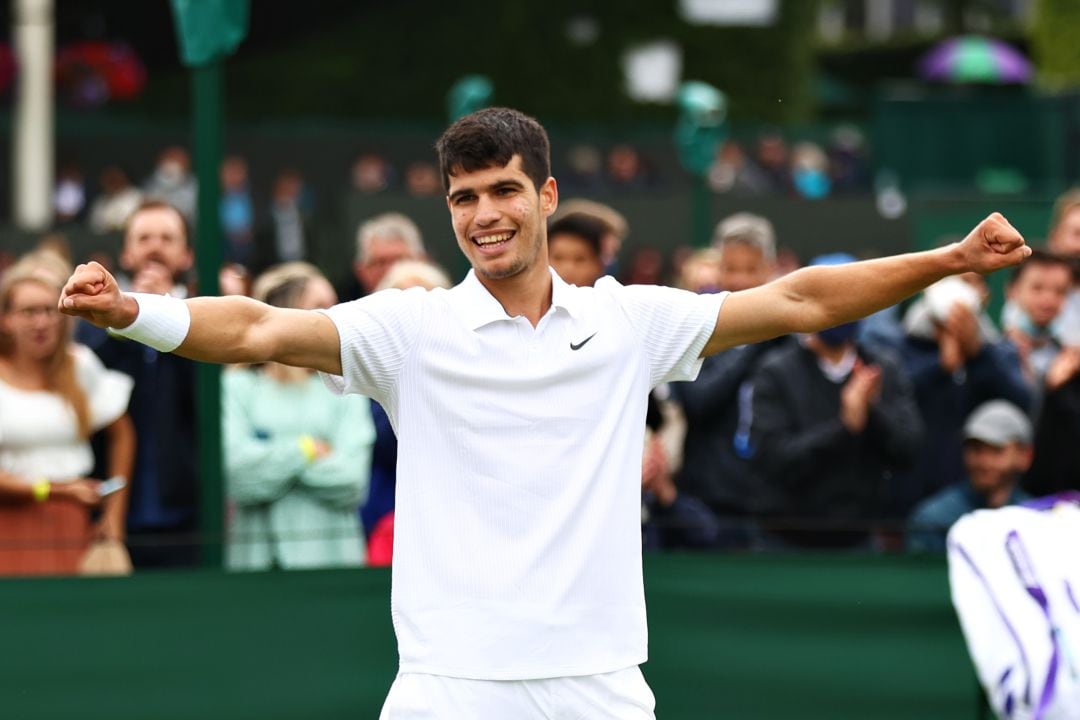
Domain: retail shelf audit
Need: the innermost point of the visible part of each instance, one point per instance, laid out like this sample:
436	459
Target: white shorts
619	695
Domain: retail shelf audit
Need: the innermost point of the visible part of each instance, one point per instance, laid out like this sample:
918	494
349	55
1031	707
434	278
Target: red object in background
91	73
7	67
380	549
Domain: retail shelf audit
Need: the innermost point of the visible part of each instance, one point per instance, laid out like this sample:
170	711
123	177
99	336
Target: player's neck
527	294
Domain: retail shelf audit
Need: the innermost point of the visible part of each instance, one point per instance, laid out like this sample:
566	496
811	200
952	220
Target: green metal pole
207	121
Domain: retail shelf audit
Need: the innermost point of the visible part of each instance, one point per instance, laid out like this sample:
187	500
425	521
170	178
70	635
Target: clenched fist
993	244
92	294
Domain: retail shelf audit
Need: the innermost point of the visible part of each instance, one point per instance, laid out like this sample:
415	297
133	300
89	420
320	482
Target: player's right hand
93	294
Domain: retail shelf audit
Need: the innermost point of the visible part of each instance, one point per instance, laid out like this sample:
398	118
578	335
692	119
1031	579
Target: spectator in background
162	516
371	174
173	183
747	245
291	208
810	171
1057	434
53	395
733	172
422	180
625	169
114	204
701	271
297	458
646	267
957	361
670	520
585	165
997	452
848	166
377	513
574	243
1037	292
717	406
616	229
381	242
69	197
832	422
1064	240
237	211
771	154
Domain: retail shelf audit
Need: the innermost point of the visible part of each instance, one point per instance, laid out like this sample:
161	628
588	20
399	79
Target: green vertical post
208	31
207	122
699	132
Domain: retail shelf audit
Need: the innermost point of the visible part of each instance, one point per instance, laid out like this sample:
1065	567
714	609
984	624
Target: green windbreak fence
730	636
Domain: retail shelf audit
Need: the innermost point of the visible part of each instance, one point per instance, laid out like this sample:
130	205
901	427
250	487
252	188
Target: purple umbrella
975	59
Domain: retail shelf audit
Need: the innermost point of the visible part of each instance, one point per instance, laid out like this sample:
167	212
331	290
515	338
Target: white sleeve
674	325
376	334
107	391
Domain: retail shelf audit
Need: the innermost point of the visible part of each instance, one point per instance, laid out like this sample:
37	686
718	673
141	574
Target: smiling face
499	218
156	235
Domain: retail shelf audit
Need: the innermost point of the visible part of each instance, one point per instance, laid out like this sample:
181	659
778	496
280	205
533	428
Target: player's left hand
993	244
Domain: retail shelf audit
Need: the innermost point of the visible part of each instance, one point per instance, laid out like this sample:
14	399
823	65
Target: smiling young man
519	402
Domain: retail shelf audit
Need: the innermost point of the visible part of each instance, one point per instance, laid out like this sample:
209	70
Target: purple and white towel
1015	579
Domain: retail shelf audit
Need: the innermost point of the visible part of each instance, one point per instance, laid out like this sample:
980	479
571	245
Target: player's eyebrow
497	185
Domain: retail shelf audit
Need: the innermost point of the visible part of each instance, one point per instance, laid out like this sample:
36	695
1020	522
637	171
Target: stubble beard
518	266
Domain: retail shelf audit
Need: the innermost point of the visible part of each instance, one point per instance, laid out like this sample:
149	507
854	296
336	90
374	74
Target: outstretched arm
816	298
223	329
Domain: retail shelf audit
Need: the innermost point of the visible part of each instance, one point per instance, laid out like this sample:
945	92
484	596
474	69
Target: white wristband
162	323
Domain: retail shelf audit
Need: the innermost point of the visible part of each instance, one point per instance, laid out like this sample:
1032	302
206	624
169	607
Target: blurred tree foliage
398	60
1055	38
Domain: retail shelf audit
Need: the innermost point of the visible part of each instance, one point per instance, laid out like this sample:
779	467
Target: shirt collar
479	307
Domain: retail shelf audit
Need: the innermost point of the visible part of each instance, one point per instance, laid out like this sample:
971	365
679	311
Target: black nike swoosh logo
582	343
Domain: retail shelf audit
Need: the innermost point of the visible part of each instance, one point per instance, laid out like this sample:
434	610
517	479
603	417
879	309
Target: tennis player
519	404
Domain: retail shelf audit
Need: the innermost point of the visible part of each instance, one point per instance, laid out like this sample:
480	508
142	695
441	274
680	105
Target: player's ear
549	197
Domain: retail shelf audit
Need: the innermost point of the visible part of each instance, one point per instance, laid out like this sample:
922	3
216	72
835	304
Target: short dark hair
581	225
491	138
158	204
1043	258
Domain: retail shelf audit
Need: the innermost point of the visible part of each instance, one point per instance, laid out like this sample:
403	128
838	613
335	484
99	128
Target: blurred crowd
876	435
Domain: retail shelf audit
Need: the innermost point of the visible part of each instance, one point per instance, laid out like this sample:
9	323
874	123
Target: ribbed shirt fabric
517	548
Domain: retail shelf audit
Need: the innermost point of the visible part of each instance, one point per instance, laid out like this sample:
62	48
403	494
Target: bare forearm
223	330
831	295
14	489
816	298
120	437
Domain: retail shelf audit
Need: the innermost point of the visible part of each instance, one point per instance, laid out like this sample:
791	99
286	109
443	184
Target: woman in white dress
53	395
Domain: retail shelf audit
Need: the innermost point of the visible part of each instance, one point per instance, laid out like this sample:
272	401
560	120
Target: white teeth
492	239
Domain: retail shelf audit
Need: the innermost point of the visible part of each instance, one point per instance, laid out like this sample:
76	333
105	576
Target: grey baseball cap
998	423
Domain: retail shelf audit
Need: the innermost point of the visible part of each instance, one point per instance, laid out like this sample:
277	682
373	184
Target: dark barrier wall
753	637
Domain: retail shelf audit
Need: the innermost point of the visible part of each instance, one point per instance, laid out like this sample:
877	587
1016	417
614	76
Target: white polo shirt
517	539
